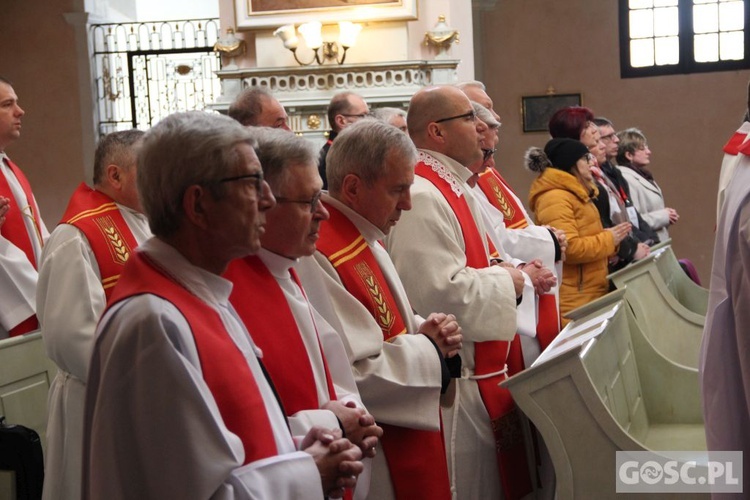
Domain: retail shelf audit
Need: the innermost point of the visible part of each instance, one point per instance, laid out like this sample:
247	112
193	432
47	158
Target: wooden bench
668	310
601	387
25	377
691	295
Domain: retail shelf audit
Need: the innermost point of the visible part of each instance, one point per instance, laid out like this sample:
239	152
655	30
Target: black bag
21	452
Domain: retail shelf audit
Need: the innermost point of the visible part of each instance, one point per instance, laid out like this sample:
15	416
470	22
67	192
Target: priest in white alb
86	253
177	402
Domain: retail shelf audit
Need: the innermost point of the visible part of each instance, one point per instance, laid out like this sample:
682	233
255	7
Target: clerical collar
132	211
207	286
277	264
369	231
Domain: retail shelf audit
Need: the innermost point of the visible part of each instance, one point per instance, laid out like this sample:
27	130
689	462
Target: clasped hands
445	331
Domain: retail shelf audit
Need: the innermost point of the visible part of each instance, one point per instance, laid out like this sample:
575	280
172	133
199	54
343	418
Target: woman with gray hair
633	158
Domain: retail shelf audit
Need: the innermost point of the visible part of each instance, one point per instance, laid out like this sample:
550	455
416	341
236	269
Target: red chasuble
96	215
14	230
262	306
501	196
489	357
225	369
416	458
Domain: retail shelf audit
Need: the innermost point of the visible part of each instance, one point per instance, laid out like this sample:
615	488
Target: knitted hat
565	153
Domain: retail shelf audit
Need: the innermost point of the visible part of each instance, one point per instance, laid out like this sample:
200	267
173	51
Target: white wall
120	11
165	10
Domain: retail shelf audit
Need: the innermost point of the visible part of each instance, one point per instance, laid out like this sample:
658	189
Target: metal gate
145	71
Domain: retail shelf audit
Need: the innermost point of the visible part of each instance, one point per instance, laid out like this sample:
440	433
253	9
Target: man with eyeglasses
257	107
441	252
615	196
402	362
301	351
518	234
177	402
344	109
22	231
86	252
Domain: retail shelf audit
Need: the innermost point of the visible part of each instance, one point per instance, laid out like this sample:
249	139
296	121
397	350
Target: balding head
257	107
346	108
442	119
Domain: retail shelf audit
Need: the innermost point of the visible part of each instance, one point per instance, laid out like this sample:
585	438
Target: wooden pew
675	330
25	377
691	295
602	387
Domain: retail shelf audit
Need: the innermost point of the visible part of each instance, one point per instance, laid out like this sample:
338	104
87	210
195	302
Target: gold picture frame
267	14
536	110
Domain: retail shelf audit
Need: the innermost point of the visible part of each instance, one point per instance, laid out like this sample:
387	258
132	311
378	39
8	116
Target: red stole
733	145
489	357
96	215
500	196
416	458
225	369
348	252
14	230
255	295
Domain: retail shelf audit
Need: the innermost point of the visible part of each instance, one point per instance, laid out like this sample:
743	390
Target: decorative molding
306	91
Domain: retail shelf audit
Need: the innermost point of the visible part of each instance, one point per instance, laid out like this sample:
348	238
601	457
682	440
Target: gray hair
471	83
362	149
485	115
631	140
600	121
117	148
182	150
248	106
385	114
278	150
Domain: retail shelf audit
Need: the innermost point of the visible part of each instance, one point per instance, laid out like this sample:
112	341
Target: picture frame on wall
536	110
267	14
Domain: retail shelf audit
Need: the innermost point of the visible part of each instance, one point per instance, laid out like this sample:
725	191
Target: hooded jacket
559	200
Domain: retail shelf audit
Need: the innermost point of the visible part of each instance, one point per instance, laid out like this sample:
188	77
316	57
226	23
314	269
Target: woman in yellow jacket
562	197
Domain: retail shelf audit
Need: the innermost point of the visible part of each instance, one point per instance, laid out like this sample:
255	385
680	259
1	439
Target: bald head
430	104
442	119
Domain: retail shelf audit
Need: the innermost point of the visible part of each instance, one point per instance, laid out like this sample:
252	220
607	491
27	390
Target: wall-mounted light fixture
311	32
231	47
441	36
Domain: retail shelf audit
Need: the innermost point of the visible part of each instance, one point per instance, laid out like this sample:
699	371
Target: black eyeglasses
471	115
608	137
314	202
257	179
360	115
